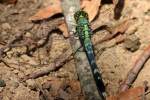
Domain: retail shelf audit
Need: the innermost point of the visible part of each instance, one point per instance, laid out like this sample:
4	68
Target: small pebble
28	34
31	84
132	43
2	83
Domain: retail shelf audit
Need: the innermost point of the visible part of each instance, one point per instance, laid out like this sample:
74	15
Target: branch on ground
133	73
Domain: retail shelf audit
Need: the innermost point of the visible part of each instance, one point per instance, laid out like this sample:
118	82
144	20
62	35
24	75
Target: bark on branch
82	66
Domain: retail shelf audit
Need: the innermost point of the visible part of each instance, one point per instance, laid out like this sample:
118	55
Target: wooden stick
82	65
56	64
133	73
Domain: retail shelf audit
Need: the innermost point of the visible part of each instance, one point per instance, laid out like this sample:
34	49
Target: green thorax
83	29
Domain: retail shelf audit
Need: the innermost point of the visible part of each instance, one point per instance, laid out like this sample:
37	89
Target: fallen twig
64	57
56	64
146	93
113	31
118	9
46	31
119	39
133	73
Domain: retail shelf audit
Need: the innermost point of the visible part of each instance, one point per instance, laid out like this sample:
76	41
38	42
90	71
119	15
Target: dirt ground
114	61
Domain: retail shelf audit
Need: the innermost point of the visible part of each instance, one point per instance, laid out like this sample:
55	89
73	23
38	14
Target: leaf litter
67	90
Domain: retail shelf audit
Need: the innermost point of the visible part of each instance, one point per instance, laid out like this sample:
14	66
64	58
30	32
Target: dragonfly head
80	14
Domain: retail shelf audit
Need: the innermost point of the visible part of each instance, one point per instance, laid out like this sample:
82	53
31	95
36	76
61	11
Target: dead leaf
91	7
131	94
83	3
63	28
47	12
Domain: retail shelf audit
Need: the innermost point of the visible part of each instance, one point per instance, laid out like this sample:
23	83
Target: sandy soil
115	61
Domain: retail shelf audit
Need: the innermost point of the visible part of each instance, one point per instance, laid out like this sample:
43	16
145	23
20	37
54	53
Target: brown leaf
47	12
131	94
91	7
63	28
84	3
